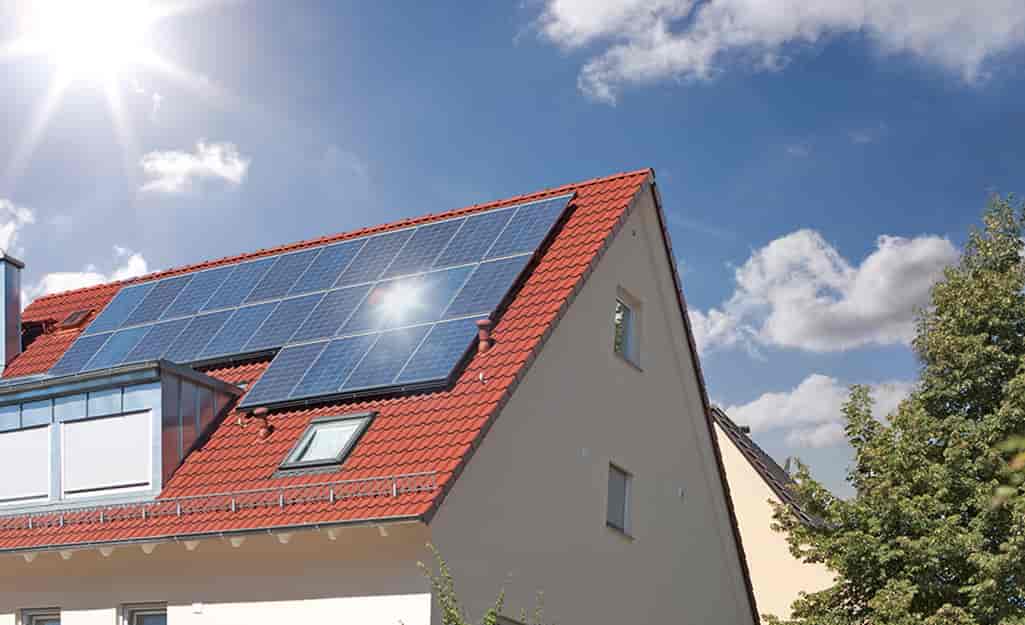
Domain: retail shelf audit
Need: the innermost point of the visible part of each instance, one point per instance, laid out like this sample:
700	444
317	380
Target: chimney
11	311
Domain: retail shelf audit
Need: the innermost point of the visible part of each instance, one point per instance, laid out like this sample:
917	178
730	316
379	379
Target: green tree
922	541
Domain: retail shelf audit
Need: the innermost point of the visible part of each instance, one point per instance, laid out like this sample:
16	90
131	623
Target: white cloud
12	219
127	264
811	413
799	292
175	172
649	41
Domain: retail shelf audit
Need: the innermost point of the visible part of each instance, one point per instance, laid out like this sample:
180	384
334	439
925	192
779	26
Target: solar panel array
397	308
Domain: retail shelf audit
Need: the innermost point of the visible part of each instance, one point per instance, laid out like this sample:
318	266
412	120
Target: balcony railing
264	498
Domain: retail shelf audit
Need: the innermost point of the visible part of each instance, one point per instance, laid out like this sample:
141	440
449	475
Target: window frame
39	615
300	446
130	611
628	477
631	345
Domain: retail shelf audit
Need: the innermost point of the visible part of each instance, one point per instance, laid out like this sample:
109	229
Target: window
148	614
618	512
41	617
327	441
625	329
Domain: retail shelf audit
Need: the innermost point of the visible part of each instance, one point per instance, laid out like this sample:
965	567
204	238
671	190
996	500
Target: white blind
25	464
109	453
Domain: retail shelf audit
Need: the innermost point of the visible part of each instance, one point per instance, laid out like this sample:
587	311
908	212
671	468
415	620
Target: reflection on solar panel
392	309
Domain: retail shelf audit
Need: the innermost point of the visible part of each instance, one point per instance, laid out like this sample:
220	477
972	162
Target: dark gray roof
774	475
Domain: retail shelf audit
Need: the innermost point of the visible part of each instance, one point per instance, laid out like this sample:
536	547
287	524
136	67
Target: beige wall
777	576
528	513
362	577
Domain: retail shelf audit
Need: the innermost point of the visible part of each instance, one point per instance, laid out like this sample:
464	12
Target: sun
89	40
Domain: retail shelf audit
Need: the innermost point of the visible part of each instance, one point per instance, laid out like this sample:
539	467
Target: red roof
427	432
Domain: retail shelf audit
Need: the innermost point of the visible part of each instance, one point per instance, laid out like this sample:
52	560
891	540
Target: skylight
327	441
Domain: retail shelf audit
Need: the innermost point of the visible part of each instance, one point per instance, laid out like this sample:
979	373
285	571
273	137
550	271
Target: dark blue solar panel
440	352
385	359
283	322
474	238
119	308
191	299
375	256
158	299
486	288
282	276
115	349
157	340
529	227
425	245
78	354
284	373
331	313
238	330
407	301
239	284
195	337
335	364
325	269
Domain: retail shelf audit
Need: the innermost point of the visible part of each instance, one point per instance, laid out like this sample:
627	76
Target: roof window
76	318
327	441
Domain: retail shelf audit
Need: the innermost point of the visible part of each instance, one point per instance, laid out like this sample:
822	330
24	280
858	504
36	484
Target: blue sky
820	162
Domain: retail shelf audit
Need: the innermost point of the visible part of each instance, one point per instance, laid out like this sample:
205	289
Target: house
755	480
276	437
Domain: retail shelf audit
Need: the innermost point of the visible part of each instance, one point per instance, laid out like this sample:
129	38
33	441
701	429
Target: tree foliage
924	541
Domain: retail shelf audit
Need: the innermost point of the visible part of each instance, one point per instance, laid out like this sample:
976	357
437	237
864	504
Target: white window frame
33	616
130	611
290	463
631	346
627	492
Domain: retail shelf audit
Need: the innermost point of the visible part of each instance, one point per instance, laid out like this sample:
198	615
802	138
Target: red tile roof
426	432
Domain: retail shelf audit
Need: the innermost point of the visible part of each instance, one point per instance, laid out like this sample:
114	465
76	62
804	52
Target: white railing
277	497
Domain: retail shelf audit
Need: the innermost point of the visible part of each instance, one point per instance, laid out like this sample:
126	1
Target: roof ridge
342	236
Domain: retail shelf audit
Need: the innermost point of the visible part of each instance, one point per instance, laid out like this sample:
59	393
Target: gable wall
776	575
528	513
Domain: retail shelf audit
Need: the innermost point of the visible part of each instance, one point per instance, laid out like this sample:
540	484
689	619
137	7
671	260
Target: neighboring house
755	479
275	437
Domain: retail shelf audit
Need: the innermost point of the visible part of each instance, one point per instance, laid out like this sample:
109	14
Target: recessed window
41	617
625	330
327	441
148	614
618	511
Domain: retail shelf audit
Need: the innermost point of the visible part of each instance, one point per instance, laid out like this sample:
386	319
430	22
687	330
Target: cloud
176	172
642	42
799	150
811	413
12	219
799	292
127	264
863	136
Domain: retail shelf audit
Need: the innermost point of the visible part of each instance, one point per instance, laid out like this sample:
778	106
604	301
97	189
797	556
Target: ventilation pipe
484	335
10	275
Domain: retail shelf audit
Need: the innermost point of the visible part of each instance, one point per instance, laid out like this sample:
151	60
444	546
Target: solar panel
474	238
158	299
237	330
197	292
385	359
282	275
331	313
239	284
325	269
284	372
375	256
116	348
424	246
78	354
119	308
194	338
157	340
440	352
333	366
381	314
283	322
487	287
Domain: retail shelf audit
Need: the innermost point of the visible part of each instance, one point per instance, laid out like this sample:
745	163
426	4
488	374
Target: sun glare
92	40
